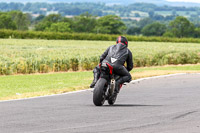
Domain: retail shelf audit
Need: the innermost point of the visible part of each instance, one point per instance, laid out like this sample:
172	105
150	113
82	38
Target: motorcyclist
117	55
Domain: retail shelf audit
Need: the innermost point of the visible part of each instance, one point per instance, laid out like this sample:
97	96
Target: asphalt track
161	105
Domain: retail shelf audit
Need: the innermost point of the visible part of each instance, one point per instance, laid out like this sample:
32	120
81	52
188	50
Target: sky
195	1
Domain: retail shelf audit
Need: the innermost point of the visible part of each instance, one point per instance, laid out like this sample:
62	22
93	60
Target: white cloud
193	1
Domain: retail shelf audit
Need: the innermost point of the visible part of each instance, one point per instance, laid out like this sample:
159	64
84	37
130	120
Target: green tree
154	29
143	22
39	18
84	23
181	27
53	18
151	13
197	32
59	27
47	21
158	17
110	24
134	30
41	26
22	20
6	22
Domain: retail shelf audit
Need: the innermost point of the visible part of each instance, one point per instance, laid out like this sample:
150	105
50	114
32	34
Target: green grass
32	56
22	49
48	83
142	14
180	13
27	48
17	49
144	53
22	86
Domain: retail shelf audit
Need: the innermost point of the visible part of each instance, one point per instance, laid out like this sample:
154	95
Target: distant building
43	9
69	16
131	18
51	12
35	15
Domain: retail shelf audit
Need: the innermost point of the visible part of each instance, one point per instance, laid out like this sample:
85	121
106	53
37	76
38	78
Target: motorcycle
105	86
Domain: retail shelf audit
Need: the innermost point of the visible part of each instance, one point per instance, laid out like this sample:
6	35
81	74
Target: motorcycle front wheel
99	96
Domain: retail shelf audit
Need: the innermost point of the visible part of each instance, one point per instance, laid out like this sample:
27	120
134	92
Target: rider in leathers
117	55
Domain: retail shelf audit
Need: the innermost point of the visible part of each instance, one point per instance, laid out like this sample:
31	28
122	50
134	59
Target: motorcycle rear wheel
112	100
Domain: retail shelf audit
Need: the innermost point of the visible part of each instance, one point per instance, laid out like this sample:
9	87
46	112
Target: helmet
122	39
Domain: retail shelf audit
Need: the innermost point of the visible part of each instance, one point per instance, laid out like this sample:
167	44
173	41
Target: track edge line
73	92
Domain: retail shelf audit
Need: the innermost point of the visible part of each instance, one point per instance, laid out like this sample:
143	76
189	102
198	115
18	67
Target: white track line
154	77
73	92
45	96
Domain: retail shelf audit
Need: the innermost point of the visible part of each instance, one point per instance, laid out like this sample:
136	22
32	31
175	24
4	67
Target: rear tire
99	96
112	100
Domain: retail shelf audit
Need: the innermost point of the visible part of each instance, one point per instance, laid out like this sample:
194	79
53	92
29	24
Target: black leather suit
117	55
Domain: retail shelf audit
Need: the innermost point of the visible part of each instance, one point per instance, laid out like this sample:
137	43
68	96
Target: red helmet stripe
120	38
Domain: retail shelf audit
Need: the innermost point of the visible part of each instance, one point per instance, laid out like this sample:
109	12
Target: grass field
20	57
24	86
42	56
180	13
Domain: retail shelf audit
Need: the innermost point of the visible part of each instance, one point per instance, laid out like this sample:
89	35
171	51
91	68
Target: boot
93	84
117	84
95	80
117	87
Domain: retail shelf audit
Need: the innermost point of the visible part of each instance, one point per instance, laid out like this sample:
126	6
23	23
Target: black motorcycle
105	86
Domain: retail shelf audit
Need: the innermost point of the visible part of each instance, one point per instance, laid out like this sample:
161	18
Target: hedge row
86	36
168	58
75	64
29	66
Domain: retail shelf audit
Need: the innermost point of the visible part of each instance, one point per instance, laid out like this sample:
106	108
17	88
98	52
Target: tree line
93	8
110	24
179	27
15	20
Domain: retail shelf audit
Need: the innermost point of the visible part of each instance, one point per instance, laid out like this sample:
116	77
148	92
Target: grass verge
24	86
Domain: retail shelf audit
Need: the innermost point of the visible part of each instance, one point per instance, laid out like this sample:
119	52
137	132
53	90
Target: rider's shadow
132	105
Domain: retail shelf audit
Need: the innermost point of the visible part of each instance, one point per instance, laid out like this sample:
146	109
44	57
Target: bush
89	63
46	65
87	36
171	58
74	62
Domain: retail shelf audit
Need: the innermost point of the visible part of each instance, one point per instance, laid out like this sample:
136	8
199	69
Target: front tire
99	96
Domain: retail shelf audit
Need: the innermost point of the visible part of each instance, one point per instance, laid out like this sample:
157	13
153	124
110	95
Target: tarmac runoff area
164	104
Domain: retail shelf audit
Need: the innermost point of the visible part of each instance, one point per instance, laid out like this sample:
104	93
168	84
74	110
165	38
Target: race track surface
162	105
